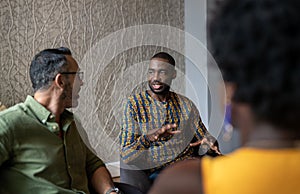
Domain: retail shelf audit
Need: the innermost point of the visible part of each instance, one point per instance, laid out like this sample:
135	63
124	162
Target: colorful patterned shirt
143	113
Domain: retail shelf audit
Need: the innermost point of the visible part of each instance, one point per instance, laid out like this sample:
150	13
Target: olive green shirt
34	159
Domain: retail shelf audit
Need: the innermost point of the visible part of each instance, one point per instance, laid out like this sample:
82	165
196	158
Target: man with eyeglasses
41	150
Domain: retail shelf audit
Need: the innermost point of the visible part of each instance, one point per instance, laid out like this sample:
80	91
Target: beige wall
86	27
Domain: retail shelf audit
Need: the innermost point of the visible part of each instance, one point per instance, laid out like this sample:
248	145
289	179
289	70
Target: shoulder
137	95
182	177
137	99
13	118
181	97
183	101
13	113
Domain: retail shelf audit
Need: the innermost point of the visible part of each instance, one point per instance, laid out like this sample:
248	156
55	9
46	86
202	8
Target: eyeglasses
79	74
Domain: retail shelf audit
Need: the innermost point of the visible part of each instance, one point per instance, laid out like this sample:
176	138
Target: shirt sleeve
201	130
197	123
6	140
133	143
93	162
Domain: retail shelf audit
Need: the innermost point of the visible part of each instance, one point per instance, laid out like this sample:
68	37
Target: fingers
209	144
167	128
196	143
215	148
202	141
174	132
152	135
163	131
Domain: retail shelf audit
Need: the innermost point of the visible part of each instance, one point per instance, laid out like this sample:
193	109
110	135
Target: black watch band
113	189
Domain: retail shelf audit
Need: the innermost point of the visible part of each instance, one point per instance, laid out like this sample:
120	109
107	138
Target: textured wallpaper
112	40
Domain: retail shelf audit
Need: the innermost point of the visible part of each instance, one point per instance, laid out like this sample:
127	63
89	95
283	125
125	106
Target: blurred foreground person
256	44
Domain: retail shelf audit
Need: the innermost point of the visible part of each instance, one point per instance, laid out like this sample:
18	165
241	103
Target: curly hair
45	65
256	44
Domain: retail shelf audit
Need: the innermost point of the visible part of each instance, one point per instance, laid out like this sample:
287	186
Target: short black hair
164	55
256	44
46	65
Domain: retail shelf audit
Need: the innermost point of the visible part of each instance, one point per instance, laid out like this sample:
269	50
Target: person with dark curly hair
256	44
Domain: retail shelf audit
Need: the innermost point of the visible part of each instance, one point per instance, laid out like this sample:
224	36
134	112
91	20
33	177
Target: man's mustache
157	82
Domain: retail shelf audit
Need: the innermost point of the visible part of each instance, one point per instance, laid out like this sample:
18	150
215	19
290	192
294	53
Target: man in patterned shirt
160	127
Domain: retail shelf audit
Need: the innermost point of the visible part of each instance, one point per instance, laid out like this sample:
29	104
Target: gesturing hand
165	130
210	142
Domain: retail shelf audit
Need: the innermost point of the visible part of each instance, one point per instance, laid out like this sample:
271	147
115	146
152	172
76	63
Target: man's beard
67	95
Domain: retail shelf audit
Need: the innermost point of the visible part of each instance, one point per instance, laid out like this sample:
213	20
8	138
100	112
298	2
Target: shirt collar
43	114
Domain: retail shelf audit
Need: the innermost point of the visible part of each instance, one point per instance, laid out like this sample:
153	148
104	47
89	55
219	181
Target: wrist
145	142
113	190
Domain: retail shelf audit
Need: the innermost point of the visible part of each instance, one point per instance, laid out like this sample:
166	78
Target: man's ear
59	81
174	74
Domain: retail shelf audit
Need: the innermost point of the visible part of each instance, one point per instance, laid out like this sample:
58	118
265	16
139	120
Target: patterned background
28	26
